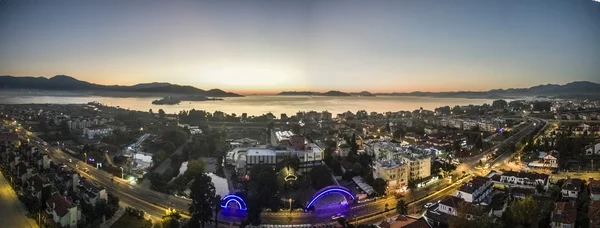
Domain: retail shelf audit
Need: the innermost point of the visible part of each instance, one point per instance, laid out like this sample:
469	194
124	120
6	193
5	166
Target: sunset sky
270	46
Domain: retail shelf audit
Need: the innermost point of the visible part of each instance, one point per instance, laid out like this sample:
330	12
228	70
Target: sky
251	46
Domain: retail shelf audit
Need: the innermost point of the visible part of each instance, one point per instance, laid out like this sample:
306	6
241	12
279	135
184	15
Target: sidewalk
118	214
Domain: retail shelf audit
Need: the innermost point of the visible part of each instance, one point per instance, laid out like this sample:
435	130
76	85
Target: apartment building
394	172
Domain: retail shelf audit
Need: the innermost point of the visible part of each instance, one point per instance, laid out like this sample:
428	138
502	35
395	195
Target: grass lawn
131	222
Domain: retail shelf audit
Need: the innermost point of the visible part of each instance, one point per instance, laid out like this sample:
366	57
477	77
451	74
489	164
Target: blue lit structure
225	201
328	190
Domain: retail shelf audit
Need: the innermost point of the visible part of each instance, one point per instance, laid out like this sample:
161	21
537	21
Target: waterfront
258	104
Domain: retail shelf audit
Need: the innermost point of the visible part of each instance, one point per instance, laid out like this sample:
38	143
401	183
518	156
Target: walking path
13	211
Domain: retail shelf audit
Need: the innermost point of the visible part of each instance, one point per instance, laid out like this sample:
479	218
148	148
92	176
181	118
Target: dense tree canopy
203	203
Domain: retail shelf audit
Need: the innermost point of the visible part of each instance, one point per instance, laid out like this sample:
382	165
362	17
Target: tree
203	203
380	186
401	207
479	143
195	167
524	212
320	177
499	104
296	128
399	133
161	113
64	127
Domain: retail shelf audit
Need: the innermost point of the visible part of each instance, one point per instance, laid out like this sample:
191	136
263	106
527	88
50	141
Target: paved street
13	211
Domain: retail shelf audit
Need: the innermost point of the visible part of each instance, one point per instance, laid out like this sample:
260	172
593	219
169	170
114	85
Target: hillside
67	83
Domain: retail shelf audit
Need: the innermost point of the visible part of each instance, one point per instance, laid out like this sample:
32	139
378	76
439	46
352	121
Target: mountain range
578	89
67	83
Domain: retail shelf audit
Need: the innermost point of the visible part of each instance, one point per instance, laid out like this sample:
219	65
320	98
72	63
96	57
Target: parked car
337	216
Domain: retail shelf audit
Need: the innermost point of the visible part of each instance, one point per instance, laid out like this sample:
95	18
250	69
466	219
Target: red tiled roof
594	213
594	186
564	212
420	223
61	205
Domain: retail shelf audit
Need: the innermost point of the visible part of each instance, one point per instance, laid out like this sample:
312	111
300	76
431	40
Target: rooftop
474	184
564	212
260	152
528	175
61	204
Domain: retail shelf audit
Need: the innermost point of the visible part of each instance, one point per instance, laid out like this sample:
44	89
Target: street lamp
121	172
85	160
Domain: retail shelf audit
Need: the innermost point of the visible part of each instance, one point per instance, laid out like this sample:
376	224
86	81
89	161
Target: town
527	163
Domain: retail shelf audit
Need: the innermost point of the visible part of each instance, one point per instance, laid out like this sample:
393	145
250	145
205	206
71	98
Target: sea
256	104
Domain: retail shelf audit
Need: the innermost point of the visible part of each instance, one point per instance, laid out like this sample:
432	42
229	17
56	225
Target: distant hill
67	83
363	94
579	89
332	93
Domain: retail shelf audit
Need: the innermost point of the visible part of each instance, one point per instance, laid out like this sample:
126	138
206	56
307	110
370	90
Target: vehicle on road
337	216
428	205
70	160
86	170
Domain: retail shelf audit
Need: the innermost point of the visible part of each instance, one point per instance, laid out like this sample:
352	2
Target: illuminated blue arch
225	201
328	190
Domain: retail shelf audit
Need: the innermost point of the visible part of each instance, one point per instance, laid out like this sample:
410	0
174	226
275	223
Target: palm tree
401	207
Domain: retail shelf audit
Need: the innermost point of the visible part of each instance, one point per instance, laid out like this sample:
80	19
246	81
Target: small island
166	101
174	101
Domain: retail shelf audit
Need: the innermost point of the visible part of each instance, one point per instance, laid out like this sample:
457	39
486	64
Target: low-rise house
523	179
449	205
563	215
35	185
67	180
91	193
594	213
476	191
594	189
521	193
571	188
403	222
61	211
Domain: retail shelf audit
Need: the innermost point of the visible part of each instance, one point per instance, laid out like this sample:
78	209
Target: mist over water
258	104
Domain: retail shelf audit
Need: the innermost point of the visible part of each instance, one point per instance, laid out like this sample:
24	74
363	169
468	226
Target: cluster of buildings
581	129
59	192
481	193
483	124
484	194
90	127
310	115
284	145
565	212
573	105
397	164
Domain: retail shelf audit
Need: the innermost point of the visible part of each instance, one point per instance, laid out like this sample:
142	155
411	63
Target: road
13	211
155	203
